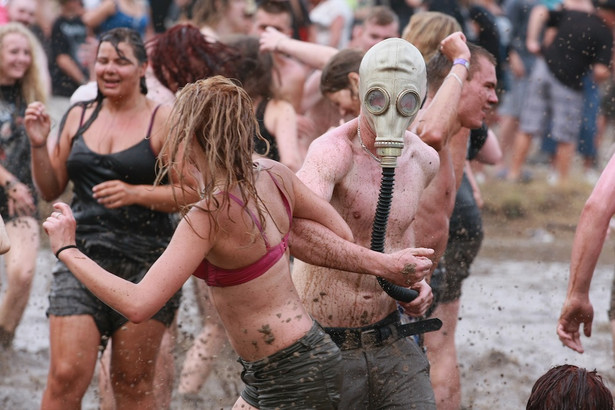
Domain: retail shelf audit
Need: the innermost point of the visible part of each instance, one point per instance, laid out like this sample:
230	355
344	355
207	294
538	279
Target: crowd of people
311	165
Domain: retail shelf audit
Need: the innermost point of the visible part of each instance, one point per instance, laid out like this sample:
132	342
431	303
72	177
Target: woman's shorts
68	296
305	375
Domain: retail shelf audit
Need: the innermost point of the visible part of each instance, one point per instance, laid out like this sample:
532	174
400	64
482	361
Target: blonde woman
217	18
20	84
239	234
427	29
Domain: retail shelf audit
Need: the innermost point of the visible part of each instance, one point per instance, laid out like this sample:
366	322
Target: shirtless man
343	166
477	99
292	73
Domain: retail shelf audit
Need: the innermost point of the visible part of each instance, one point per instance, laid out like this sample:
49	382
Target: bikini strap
254	218
151	122
289	212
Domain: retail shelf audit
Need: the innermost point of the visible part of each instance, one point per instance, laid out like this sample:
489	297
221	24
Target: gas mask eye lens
408	103
377	101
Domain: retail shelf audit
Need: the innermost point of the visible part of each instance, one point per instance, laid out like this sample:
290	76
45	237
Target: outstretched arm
317	237
315	244
136	301
588	242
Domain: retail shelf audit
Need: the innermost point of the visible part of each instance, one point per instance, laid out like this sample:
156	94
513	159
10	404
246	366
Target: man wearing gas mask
381	366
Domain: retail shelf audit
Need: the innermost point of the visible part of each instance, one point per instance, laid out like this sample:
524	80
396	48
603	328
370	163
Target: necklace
371	154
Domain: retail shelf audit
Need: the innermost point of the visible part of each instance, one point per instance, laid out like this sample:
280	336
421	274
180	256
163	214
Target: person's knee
135	380
20	277
66	378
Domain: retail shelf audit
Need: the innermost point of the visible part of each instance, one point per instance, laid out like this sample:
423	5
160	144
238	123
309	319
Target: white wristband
456	77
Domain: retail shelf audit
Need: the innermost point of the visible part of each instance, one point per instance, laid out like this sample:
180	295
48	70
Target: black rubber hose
379	230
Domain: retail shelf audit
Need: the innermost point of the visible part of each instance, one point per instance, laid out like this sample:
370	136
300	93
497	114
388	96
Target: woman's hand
20	199
115	194
37	123
60	226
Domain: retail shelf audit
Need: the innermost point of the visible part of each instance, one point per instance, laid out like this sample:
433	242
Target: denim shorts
305	375
68	296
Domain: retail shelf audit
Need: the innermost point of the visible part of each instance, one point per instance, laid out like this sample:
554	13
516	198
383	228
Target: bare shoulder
164	110
72	120
420	147
332	151
278	108
426	156
160	125
284	176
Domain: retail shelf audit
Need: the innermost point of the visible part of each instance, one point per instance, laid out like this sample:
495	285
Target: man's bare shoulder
418	145
332	151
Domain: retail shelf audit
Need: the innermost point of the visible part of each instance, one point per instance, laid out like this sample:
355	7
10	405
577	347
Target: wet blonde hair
212	129
32	85
427	29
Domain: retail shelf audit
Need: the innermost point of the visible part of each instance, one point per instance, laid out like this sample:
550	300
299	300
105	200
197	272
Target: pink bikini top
216	276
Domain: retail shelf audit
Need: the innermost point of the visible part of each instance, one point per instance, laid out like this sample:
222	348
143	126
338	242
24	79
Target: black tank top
259	145
134	230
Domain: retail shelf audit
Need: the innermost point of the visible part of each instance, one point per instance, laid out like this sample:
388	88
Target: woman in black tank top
108	148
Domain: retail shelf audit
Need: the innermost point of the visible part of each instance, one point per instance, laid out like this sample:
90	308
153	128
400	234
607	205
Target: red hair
181	55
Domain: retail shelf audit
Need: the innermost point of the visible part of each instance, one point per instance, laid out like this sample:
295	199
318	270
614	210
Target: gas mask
392	86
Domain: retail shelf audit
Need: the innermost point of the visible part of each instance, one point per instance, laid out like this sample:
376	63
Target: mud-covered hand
576	311
409	266
20	199
115	194
37	123
60	226
418	307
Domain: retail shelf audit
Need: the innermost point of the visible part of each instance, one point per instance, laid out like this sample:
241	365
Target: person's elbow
47	193
137	313
433	138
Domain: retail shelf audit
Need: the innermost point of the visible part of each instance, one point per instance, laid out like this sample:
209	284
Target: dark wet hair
255	69
334	75
182	55
568	387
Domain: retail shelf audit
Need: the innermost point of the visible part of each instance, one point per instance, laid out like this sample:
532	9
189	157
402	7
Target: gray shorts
305	375
547	98
513	99
68	296
391	374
